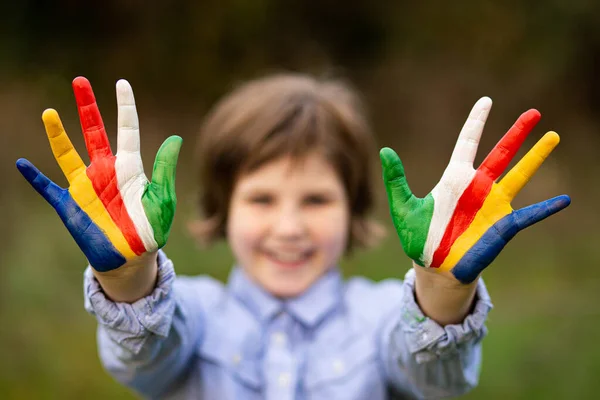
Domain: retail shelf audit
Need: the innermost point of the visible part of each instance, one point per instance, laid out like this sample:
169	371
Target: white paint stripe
446	194
129	167
457	176
131	186
470	135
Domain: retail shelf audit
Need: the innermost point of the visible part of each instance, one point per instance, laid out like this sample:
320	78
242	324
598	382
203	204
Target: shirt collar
308	308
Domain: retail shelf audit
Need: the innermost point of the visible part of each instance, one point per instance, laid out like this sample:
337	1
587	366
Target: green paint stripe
159	199
411	215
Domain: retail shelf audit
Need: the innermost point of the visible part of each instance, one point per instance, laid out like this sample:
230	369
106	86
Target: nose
288	223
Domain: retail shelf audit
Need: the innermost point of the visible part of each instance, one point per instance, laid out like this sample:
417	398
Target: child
285	174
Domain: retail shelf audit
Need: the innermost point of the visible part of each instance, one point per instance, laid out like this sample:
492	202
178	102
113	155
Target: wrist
445	300
434	279
131	281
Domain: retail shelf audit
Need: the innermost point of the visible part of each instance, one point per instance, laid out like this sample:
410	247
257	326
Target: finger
487	248
49	190
468	140
393	176
91	121
96	246
165	164
527	216
128	136
502	154
520	174
65	154
483	252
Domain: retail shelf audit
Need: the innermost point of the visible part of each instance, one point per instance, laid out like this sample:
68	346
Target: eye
316	199
262	199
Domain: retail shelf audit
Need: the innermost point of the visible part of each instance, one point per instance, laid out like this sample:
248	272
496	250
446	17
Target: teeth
284	257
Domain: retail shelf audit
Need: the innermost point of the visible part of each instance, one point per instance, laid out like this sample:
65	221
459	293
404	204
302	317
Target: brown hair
286	114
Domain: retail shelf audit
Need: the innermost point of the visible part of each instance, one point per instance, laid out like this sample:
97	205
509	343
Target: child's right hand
114	214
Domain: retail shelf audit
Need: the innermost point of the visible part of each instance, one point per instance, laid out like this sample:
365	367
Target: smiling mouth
289	260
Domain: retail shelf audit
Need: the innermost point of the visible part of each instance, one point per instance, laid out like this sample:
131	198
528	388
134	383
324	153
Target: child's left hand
463	224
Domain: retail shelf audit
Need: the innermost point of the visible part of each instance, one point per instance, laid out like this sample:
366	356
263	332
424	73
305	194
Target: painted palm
463	224
112	211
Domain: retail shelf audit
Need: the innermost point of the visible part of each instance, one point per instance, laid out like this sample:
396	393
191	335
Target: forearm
130	282
438	361
160	362
148	343
431	375
441	299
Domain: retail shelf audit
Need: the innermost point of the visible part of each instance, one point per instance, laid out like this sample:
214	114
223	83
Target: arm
120	220
459	228
452	235
149	345
422	358
117	217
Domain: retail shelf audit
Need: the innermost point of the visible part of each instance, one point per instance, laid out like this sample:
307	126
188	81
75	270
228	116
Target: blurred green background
420	67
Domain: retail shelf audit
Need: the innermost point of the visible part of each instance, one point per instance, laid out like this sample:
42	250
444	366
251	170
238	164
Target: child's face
288	223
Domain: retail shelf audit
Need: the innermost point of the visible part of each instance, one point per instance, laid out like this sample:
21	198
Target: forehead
312	170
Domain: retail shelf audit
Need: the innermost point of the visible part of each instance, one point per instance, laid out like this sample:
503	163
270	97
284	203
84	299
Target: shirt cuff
130	324
427	339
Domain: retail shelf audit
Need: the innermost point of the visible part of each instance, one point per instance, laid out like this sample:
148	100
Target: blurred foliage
419	65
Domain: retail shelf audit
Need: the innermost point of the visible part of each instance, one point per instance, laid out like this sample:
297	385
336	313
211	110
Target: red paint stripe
469	203
94	133
102	171
502	154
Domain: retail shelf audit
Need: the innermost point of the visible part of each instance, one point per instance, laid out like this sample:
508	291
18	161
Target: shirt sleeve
147	345
421	357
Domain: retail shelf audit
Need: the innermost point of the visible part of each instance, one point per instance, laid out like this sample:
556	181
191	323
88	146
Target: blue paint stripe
487	248
98	249
484	251
100	252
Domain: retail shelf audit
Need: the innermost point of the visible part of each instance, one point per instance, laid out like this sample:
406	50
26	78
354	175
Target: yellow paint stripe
84	195
81	188
521	173
497	204
495	207
65	154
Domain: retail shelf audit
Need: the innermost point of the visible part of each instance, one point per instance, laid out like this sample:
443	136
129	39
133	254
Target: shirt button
424	336
284	379
338	366
278	339
236	359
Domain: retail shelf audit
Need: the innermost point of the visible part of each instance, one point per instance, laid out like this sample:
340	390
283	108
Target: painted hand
462	225
111	210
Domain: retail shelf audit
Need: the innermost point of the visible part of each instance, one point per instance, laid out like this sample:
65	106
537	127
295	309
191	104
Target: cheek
331	230
244	230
